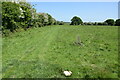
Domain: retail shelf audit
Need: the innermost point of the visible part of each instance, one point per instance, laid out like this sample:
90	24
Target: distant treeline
78	21
110	22
21	15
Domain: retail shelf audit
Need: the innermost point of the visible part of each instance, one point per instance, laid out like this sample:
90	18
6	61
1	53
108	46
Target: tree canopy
110	22
17	15
117	22
10	15
76	21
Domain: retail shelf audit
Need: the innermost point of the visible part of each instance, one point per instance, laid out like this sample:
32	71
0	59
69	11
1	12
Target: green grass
0	55
47	51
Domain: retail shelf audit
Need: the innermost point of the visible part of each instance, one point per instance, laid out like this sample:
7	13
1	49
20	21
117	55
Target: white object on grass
67	73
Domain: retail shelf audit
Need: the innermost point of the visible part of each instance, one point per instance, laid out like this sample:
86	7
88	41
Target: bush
99	23
110	22
61	23
95	23
105	23
117	22
10	15
6	32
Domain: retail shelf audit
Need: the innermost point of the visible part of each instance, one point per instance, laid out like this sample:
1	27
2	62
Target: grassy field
47	51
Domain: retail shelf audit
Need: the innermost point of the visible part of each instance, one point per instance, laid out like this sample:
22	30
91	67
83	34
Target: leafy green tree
105	23
99	23
117	22
50	19
95	23
22	15
76	21
44	19
17	14
27	12
110	22
41	19
61	23
57	22
34	18
54	22
10	15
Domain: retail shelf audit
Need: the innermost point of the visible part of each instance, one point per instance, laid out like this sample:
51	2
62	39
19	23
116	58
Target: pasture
46	52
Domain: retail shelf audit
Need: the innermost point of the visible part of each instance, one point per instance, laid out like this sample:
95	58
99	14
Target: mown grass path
45	52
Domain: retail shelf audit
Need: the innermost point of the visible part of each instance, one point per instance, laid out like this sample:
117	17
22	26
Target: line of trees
16	15
78	21
22	15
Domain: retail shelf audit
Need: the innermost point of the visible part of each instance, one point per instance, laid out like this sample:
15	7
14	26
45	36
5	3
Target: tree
22	15
61	23
76	21
10	15
50	19
54	22
110	22
44	19
105	23
40	19
99	23
16	15
117	22
27	13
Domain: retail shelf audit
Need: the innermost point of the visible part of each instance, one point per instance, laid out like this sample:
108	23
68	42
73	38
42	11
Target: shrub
110	22
6	32
117	22
61	23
